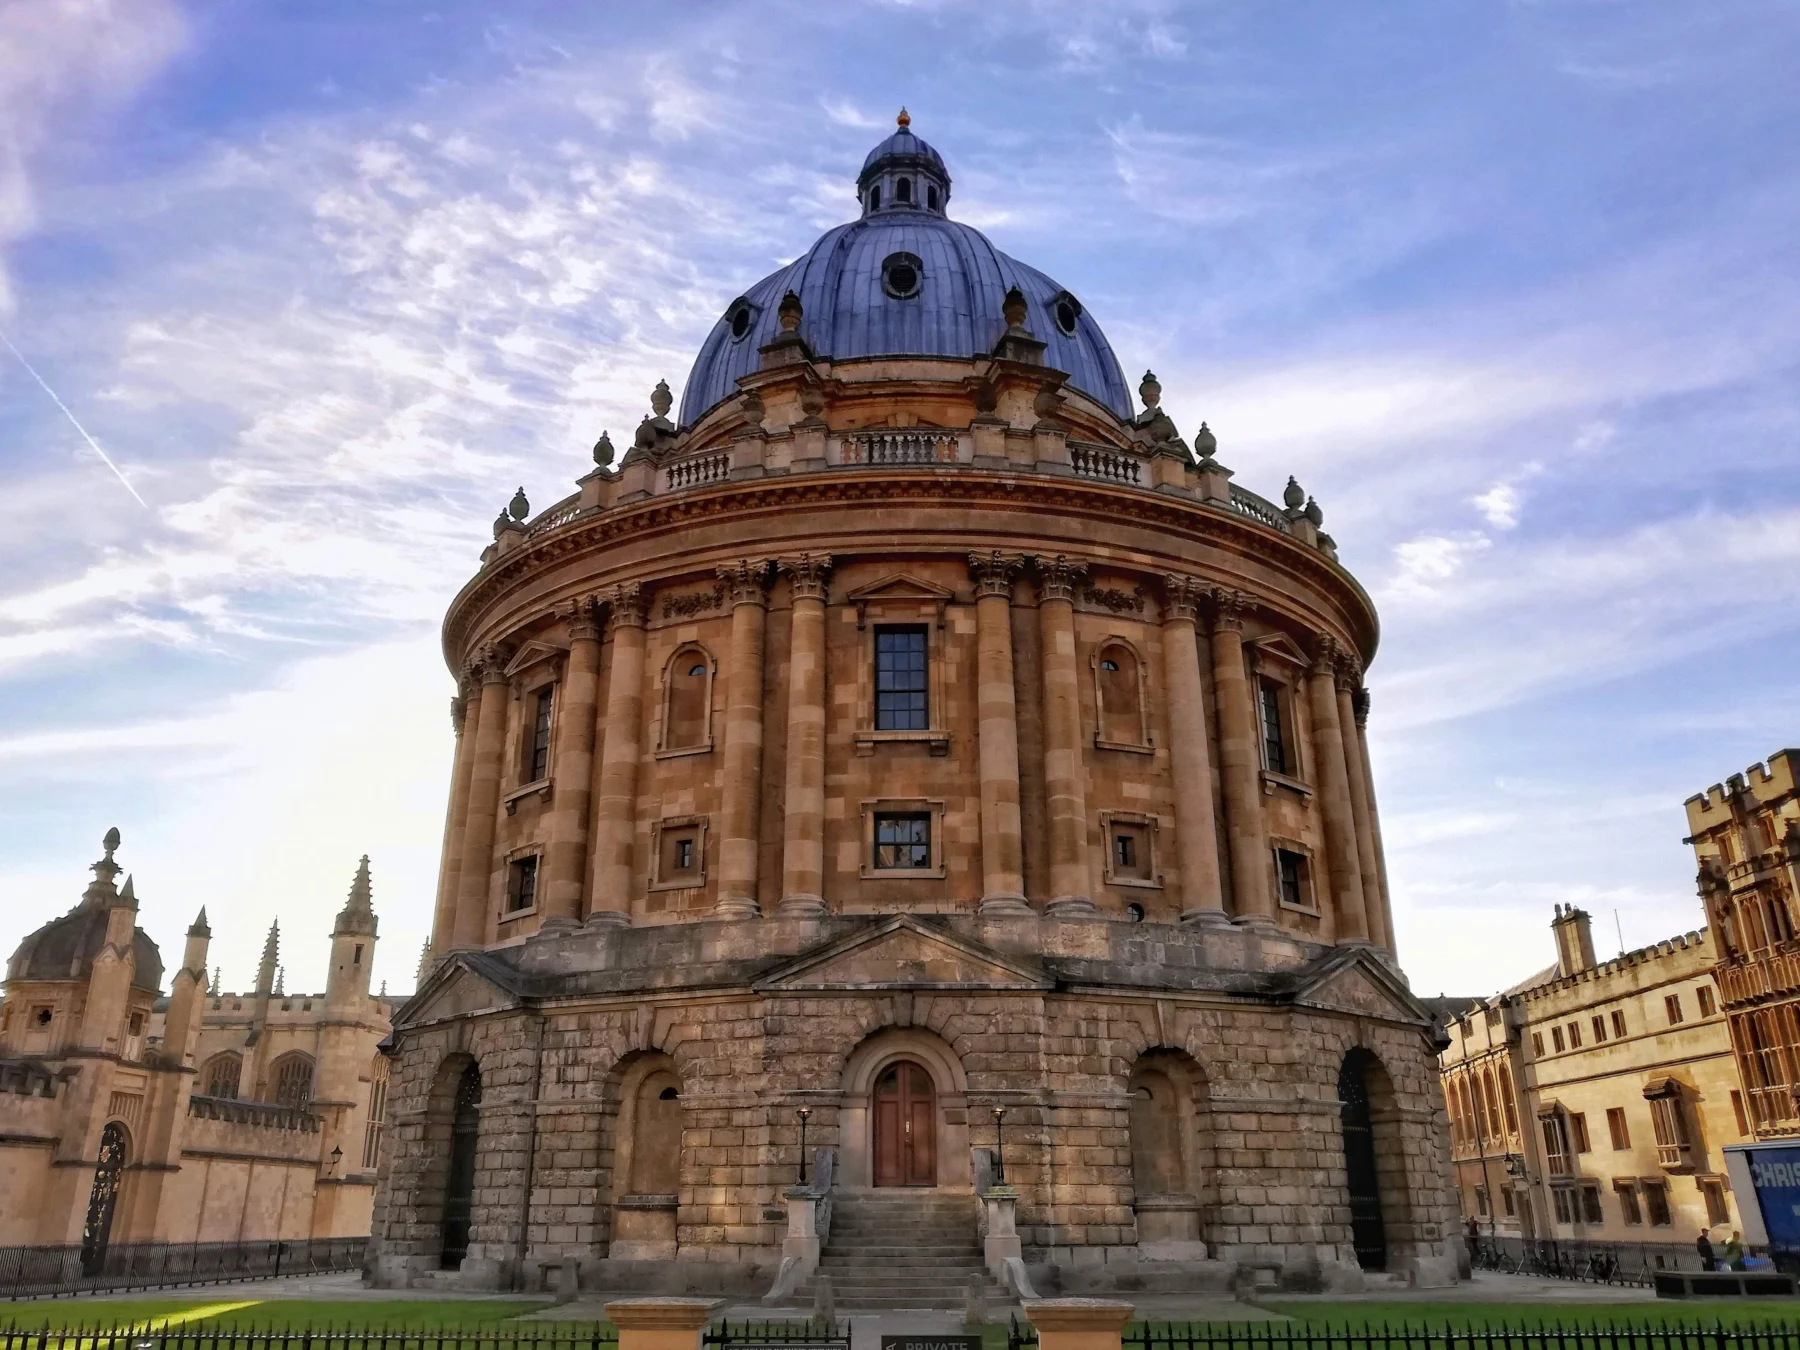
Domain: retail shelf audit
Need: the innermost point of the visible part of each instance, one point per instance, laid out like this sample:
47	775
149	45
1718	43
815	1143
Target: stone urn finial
789	312
1013	309
1149	389
1314	513
661	400
519	507
1294	495
1205	442
603	450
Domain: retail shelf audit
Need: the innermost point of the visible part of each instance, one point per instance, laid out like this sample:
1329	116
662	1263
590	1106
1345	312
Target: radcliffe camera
1089	704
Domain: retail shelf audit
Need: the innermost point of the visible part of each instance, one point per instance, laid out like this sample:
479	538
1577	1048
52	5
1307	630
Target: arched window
687	700
1119	696
1368	1231
222	1075
931	197
875	198
293	1079
1157	1163
103	1196
372	1133
903	191
656	1135
459	1180
1493	1105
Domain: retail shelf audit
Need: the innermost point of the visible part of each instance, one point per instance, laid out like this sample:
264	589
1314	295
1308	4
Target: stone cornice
1032	496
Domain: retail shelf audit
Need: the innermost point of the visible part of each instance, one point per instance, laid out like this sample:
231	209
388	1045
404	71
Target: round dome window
739	318
901	275
1067	310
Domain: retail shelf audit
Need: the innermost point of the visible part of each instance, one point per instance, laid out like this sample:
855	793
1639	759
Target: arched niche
456	1080
687	697
1376	1180
647	1152
865	1067
1172	1158
1121	705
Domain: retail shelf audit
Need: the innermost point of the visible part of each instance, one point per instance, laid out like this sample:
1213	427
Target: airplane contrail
31	371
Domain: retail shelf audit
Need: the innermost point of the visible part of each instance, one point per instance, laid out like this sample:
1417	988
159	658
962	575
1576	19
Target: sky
309	287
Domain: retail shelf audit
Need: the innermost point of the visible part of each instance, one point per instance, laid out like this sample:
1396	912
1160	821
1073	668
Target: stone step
904	1256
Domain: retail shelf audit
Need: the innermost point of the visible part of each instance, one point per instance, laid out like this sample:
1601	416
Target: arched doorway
905	1126
459	1185
1367	1231
103	1197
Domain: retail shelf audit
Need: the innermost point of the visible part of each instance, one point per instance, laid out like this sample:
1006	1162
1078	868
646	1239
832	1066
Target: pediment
901	588
1353	980
455	989
1280	647
531	654
902	953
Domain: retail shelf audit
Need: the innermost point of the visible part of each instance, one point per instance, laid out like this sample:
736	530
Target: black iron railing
1300	1336
1632	1263
766	1335
46	1272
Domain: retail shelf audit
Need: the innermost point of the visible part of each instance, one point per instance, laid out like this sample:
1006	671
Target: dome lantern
903	173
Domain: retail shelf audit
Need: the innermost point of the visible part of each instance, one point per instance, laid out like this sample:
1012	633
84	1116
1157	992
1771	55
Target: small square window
1293	879
679	860
1131	859
521	884
903	842
1707	1008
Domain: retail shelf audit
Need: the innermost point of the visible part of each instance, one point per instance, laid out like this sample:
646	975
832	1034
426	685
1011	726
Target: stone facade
228	1117
912	736
1593	1101
1746	838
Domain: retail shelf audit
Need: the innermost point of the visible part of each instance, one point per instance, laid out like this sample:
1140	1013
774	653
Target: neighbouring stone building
915	746
197	1117
1592	1101
1746	838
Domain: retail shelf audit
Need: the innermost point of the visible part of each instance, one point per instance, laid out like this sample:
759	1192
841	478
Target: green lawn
219	1310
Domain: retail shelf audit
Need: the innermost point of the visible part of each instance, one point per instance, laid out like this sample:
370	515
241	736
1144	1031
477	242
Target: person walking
1703	1245
1734	1251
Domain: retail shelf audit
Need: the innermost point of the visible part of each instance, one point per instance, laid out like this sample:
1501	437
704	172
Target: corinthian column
565	854
740	810
1359	705
615	824
803	838
1064	763
1196	835
1002	850
465	709
476	870
1239	764
1349	676
1334	798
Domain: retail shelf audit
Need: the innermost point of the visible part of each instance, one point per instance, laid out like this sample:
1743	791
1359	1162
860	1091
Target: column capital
1182	596
458	706
1058	577
488	666
995	572
583	616
807	574
1359	704
747	581
627	603
1329	658
1229	607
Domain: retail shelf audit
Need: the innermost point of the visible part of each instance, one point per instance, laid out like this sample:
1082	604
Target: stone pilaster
1064	763
1190	755
475	874
615	824
1002	850
572	764
465	710
1240	763
1359	704
1334	798
1349	676
739	812
803	839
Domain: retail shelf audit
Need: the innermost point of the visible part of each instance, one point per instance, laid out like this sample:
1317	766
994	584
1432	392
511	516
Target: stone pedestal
661	1323
1074	1323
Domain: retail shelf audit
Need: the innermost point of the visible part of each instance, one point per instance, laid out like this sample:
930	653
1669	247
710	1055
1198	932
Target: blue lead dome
904	280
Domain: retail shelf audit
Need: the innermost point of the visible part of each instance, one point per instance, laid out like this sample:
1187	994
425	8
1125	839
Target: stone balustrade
265	1115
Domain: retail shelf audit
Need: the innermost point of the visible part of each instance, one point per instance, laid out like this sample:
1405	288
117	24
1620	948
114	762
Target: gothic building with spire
131	1115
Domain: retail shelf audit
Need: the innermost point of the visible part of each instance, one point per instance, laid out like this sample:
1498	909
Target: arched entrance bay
459	1184
906	1114
103	1197
1368	1231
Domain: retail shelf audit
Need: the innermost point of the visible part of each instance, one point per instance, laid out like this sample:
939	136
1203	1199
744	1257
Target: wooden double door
905	1126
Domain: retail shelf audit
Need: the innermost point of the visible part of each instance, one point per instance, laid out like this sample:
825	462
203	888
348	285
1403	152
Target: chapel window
537	758
294	1081
902	687
903	841
222	1074
521	884
1274	733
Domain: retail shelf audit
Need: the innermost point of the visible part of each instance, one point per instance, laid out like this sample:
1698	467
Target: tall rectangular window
1618	1022
521	884
1672	1006
1599	1028
1275	751
1656	1200
538	763
1578	1128
1537	1044
903	842
1290	875
1590	1205
1737	1109
1707	1006
1556	1038
902	690
1714	1194
1574	1035
1628	1202
1616	1126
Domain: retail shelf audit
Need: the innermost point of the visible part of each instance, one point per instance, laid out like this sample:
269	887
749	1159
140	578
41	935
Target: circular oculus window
739	318
1067	310
901	275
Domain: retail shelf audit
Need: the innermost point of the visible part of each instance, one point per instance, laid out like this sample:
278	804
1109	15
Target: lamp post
805	1114
337	1156
999	1148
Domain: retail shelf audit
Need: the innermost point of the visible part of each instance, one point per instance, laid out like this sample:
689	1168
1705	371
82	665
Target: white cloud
1499	505
844	113
1426	564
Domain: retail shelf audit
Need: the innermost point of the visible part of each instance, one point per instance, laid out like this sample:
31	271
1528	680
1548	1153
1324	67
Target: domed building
912	794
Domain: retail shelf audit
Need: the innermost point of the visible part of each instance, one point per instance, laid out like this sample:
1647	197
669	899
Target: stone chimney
1574	940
